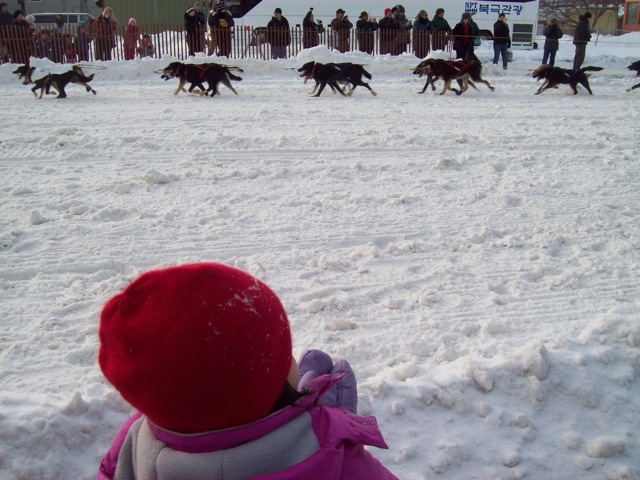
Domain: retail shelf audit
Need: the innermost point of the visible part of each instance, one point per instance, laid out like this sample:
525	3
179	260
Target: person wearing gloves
341	26
501	40
221	24
203	352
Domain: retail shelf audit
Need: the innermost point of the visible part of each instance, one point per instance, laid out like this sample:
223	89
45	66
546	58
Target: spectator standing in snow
221	24
203	352
278	34
131	37
421	27
388	27
440	29
365	27
463	37
581	37
341	27
553	34
501	41
311	30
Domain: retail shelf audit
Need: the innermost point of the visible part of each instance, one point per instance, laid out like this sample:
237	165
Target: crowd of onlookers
394	33
21	39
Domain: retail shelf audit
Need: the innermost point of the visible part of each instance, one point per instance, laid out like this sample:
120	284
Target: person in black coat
221	24
553	34
580	39
463	37
365	27
440	28
278	34
501	40
311	30
388	27
192	27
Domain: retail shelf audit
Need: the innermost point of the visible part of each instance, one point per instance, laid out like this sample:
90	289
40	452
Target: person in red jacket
131	38
104	30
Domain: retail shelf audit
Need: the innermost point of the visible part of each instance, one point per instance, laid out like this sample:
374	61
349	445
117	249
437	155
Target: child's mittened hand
343	394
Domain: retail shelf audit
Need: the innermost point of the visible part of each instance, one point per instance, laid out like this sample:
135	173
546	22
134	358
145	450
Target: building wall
59	6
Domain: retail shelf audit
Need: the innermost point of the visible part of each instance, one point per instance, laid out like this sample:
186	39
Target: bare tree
568	11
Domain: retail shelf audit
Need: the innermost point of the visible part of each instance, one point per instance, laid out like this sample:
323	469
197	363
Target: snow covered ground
476	258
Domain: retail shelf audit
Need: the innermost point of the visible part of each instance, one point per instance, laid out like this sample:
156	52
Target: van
72	21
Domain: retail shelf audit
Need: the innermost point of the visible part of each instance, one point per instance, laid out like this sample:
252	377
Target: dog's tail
234	69
366	74
233	77
591	69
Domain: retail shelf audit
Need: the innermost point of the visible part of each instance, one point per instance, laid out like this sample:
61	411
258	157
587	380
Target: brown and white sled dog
449	71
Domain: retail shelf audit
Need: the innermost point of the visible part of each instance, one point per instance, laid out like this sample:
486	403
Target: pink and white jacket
302	441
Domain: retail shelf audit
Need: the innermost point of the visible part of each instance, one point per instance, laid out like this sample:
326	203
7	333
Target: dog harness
460	67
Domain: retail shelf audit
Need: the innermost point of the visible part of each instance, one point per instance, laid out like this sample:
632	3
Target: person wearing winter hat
203	352
440	29
130	39
278	34
365	27
193	31
463	37
341	27
388	27
581	37
221	24
501	40
403	34
311	30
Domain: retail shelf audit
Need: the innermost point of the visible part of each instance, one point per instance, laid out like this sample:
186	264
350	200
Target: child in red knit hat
203	352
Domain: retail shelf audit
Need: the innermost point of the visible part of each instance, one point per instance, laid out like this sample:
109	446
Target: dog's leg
322	85
487	84
227	83
335	84
447	86
634	87
585	83
180	86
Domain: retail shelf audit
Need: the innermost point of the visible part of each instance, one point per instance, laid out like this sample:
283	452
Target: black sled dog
59	81
636	67
333	74
197	74
554	76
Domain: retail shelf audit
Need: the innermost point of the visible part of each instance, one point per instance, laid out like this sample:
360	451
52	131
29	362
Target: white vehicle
522	17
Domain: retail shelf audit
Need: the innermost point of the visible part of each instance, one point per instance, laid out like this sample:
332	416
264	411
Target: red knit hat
197	348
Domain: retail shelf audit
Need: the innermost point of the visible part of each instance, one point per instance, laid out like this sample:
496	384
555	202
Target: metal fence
18	43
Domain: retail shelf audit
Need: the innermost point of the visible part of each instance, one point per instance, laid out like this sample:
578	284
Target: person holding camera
311	30
364	30
341	27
